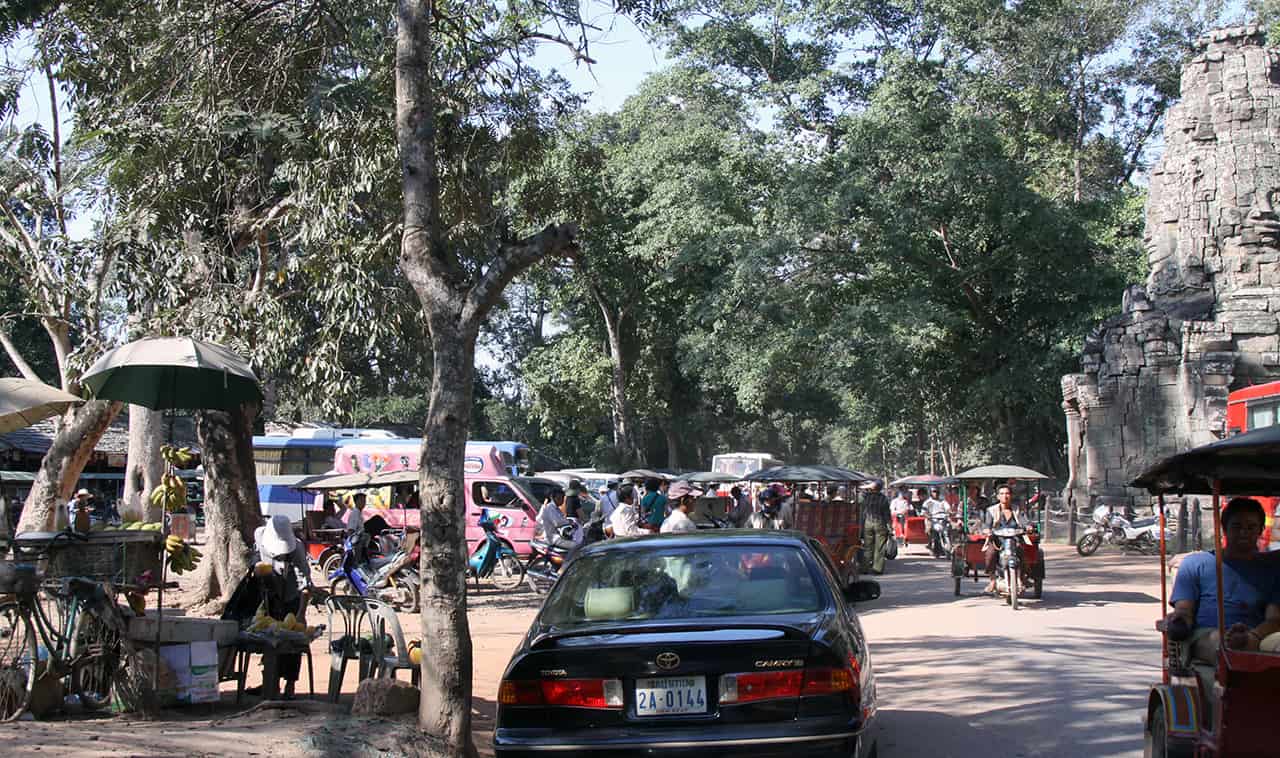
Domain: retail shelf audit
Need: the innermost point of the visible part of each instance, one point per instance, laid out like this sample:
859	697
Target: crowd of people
656	506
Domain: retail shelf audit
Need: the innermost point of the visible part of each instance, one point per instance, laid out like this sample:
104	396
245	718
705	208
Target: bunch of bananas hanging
182	557
170	495
178	457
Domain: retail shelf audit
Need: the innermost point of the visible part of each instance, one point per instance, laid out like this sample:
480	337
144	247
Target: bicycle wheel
17	661
508	573
95	657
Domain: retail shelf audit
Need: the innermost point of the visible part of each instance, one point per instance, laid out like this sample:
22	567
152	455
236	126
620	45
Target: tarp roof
1000	472
1245	465
924	480
813	473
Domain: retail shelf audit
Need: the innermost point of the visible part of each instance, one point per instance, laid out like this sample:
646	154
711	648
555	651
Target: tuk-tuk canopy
1000	472
1243	465
814	473
708	477
336	482
925	480
643	473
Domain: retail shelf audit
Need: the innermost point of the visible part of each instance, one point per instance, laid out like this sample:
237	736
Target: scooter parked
393	579
1120	530
495	558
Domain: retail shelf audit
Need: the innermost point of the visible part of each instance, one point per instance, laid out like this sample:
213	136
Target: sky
623	58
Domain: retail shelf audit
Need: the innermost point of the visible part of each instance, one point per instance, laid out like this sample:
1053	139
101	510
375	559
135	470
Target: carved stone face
1261	219
1212	202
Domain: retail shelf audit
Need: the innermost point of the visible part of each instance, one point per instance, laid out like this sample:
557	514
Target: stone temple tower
1155	378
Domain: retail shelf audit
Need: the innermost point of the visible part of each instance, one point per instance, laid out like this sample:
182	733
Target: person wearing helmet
772	513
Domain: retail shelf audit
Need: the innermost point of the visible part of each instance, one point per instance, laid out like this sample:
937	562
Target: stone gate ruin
1155	378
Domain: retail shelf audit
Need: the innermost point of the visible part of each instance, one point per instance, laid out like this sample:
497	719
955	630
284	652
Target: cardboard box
178	659
204	673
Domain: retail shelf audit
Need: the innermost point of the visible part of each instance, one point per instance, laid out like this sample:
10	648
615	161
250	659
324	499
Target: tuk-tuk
835	523
1221	708
968	543
914	530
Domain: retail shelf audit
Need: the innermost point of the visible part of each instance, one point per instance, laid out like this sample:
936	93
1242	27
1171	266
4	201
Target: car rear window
683	583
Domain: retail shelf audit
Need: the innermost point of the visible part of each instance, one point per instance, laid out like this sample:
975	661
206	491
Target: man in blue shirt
1250	586
653	506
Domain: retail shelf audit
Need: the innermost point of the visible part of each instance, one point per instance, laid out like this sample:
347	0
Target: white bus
742	464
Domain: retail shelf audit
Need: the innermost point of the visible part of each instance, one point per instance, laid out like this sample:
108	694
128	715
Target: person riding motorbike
551	517
772	514
938	511
1003	515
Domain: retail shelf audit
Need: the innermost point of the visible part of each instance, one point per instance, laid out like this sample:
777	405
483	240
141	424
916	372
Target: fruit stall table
270	648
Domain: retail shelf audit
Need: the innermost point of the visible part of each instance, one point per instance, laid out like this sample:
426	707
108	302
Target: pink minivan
512	505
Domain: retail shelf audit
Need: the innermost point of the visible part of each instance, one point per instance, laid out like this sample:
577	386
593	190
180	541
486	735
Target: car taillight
827	681
770	685
573	693
760	685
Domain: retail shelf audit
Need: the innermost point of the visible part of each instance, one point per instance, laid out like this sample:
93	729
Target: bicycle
85	644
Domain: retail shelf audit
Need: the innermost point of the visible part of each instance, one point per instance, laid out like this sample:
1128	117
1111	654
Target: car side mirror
862	591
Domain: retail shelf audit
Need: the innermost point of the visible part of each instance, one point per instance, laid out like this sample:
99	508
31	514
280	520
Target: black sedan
721	642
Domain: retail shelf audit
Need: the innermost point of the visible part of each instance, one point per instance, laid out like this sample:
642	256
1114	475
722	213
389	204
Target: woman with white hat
287	585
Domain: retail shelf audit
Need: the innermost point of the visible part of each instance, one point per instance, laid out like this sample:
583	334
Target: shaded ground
957	676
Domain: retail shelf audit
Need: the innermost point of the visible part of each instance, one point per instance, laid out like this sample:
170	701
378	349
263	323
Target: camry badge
667	661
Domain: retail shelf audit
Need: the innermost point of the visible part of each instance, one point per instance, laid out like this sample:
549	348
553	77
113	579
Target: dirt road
967	676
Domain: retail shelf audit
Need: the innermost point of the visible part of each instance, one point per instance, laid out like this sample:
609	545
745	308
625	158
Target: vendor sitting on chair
1250	585
287	585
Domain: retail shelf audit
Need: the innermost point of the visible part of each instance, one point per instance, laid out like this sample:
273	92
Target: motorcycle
1012	573
544	564
1119	529
940	534
495	558
393	579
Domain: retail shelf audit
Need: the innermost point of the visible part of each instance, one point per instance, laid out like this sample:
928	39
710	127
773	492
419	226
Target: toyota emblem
667	661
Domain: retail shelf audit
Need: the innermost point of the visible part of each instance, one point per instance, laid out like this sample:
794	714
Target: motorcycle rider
1003	515
551	517
772	513
938	511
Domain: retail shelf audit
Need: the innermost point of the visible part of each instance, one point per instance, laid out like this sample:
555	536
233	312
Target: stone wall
1154	379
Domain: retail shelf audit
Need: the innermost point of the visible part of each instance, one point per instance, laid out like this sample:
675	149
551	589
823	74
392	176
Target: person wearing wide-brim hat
682	495
287	586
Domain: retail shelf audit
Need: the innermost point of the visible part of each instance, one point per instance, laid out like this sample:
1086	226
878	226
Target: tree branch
555	240
15	355
59	210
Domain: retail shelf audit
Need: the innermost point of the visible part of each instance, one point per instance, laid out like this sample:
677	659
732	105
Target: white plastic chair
386	662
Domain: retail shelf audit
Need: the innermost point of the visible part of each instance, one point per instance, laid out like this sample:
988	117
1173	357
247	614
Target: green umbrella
23	402
173	372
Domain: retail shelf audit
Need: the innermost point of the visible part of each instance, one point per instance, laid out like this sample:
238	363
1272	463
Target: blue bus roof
283	442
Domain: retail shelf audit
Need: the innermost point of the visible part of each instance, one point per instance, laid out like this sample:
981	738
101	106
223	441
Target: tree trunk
77	435
145	466
624	442
231	508
445	707
673	445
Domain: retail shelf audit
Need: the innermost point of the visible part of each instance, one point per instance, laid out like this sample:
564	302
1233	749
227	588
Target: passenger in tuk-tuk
1250	583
